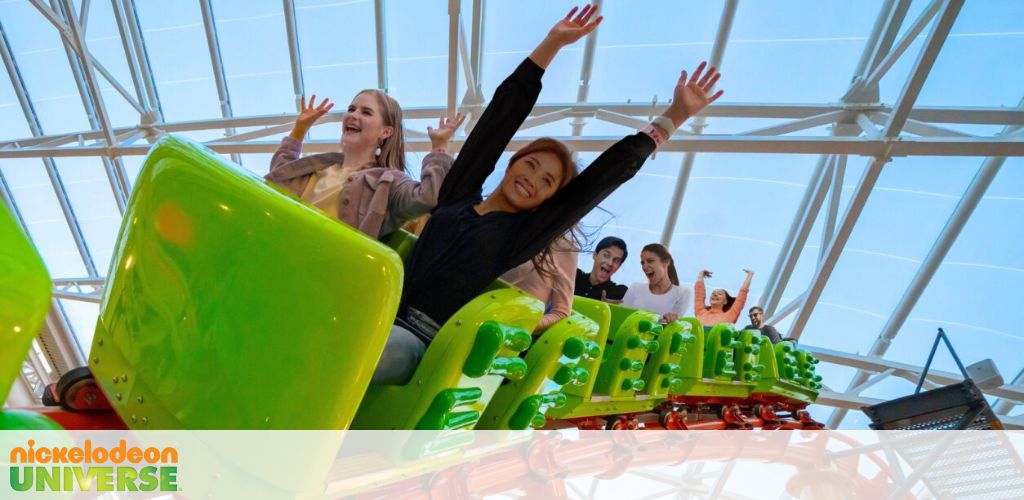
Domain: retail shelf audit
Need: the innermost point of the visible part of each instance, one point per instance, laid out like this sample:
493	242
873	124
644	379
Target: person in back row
366	185
756	315
470	240
552	283
597	284
724	308
661	293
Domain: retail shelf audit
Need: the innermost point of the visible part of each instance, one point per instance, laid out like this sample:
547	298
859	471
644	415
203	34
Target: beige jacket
376	200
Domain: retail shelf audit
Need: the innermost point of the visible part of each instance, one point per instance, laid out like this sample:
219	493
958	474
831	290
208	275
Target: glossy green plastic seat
24	300
664	371
462	369
555	361
748	356
600	313
232	305
779	377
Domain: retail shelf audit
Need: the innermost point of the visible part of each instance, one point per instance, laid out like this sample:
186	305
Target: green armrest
665	369
636	334
230	304
557	360
462	369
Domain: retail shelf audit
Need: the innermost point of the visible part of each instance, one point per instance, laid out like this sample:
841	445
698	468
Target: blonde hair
392	150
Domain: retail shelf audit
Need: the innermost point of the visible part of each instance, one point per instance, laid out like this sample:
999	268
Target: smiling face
363	125
606	263
756	317
654	268
532	179
719	297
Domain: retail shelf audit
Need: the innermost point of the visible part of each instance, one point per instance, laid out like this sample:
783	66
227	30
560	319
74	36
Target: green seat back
461	369
232	305
556	360
635	336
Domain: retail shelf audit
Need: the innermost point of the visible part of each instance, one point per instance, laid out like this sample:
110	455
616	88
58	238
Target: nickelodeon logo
44	468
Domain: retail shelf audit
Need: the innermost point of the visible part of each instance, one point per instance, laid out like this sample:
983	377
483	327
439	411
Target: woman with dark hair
365	185
470	240
724	308
661	293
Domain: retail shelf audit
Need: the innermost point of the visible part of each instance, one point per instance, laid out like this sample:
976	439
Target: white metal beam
380	30
963	115
697	124
454	7
295	57
875	364
706	143
922	67
213	44
142	58
586	68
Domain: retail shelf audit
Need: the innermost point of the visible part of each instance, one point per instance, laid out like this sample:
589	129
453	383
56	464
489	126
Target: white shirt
676	300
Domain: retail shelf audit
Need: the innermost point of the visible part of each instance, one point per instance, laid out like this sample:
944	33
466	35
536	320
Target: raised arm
615	166
746	282
511	104
291	145
410	199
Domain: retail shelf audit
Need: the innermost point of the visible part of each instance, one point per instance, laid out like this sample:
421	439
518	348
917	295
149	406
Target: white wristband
665	123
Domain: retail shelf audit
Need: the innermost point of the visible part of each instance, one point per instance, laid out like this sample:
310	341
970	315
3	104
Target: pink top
556	291
708	317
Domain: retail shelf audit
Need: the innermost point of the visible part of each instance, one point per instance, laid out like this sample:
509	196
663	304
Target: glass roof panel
658	52
418	65
807	53
506	44
104	42
257	68
985	35
337	40
12	119
46	224
88	188
43	64
179	59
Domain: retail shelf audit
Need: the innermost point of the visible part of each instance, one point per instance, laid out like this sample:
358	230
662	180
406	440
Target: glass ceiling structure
865	161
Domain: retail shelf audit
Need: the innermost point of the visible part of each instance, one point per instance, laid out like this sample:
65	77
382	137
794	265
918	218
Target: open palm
694	94
570	29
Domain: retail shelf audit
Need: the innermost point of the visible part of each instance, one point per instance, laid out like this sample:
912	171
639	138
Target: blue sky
737	207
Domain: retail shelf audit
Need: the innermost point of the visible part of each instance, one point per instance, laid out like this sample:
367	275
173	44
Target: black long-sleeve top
461	252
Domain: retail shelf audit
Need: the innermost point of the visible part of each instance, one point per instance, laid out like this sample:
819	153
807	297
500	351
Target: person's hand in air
568	30
446	128
693	94
311	112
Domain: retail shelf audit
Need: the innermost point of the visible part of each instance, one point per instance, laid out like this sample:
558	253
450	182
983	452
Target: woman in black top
470	241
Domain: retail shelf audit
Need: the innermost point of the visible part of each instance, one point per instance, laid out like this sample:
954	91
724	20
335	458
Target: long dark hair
544	261
663	254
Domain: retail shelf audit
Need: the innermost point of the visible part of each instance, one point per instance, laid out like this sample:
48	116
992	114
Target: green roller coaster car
231	304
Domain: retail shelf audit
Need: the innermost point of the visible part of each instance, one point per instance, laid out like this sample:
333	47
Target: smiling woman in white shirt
661	293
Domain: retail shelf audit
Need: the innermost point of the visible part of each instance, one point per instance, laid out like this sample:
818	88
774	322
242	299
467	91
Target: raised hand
693	94
570	29
446	128
748	271
310	113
